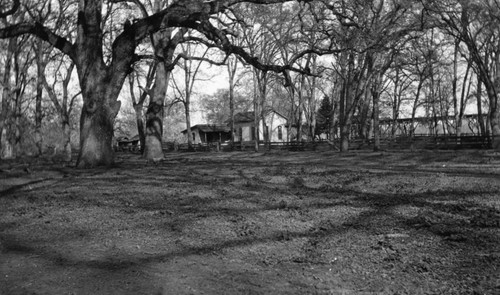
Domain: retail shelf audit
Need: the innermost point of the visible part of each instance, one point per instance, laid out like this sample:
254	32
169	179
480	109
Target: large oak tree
102	77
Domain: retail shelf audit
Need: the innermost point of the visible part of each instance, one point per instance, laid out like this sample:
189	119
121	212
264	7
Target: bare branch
41	32
141	6
225	44
72	102
184	56
12	10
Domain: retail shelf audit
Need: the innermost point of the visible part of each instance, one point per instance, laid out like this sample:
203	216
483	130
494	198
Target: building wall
274	122
198	136
195	136
243	132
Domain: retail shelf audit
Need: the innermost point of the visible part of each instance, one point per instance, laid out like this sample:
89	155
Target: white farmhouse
244	127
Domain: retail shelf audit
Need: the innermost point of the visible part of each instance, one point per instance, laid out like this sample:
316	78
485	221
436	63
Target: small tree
324	117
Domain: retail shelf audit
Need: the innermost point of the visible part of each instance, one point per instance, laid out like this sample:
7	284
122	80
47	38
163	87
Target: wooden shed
208	133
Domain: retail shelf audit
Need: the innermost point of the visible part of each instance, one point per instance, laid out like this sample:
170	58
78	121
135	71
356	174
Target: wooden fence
416	142
445	142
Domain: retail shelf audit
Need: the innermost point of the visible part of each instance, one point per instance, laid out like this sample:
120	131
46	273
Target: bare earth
254	223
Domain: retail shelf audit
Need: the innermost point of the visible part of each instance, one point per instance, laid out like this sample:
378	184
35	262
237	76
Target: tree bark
139	119
100	107
66	128
63	110
165	45
139	104
480	118
256	124
376	114
345	118
495	129
39	93
458	119
494	118
6	149
262	85
96	132
231	69
346	101
395	106
187	110
154	115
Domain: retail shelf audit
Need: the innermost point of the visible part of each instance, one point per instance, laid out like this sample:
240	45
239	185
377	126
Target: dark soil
254	223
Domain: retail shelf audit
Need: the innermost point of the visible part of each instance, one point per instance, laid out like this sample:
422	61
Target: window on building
280	133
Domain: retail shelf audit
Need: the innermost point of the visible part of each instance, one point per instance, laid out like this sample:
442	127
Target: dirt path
254	223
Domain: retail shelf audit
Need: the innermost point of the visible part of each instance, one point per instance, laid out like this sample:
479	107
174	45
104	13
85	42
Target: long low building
208	133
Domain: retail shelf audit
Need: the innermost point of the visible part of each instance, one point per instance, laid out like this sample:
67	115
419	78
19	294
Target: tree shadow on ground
173	202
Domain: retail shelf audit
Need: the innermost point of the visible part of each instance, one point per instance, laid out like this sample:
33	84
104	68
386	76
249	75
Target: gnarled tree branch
12	10
41	32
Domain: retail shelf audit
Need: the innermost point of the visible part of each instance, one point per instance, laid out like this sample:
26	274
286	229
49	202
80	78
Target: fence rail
428	142
417	142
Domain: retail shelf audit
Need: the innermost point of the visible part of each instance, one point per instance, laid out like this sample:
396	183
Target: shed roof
207	128
245	117
128	139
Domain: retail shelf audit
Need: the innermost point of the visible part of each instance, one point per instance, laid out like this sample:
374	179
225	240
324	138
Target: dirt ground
254	223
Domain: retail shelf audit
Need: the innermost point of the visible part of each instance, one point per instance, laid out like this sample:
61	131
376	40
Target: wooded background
76	74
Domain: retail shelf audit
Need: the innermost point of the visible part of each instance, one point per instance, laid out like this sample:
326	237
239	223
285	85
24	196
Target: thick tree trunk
494	114
363	115
100	107
165	46
495	129
6	148
494	117
345	132
154	116
154	131
96	133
